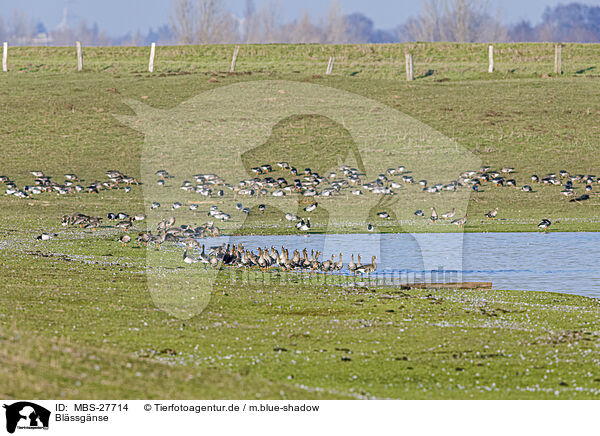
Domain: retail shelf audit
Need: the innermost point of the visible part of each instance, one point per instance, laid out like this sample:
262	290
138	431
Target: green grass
76	308
82	324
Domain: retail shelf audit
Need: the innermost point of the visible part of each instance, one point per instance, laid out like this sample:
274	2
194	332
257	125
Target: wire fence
417	61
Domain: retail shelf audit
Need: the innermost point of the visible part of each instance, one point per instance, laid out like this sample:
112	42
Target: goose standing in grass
492	214
449	215
460	222
125	239
370	227
544	224
303	226
433	218
367	268
189	259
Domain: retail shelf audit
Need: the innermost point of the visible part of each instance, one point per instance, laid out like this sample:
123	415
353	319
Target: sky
119	17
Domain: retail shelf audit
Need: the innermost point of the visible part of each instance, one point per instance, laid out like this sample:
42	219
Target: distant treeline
210	22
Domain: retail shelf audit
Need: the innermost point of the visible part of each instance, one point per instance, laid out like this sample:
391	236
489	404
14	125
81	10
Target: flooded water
562	262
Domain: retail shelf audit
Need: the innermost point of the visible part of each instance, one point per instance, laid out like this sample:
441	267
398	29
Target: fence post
5	57
558	58
491	59
79	56
409	67
330	65
151	64
235	53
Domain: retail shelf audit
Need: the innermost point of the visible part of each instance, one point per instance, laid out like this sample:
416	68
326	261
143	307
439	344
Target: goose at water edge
352	266
368	268
460	221
544	225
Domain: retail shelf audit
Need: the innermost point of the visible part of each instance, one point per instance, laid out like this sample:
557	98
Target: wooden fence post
330	66
235	54
5	57
79	56
491	59
558	58
152	51
409	67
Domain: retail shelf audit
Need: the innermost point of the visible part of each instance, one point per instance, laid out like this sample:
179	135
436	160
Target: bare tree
456	20
249	18
182	20
203	22
335	30
428	26
304	31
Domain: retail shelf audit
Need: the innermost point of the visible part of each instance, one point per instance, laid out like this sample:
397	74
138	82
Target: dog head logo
24	414
228	131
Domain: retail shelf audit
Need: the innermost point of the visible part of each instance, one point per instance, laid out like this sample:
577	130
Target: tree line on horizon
210	22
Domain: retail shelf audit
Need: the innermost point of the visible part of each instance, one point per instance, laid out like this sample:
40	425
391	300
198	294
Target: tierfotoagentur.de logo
25	415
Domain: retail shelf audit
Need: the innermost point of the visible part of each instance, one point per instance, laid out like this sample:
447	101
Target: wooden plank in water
459	285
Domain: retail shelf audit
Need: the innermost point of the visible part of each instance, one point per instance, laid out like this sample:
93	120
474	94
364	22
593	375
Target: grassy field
76	316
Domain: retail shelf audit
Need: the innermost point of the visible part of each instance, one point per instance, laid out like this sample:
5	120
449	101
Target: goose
143	238
433	216
155	205
370	227
352	265
194	206
460	221
368	268
419	212
339	264
492	214
46	236
311	207
203	258
160	238
544	224
449	215
163	174
303	226
213	261
125	239
314	263
189	259
327	265
384	215
291	217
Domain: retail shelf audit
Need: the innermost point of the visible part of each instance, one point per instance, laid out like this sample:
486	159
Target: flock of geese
306	182
346	180
267	259
72	184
